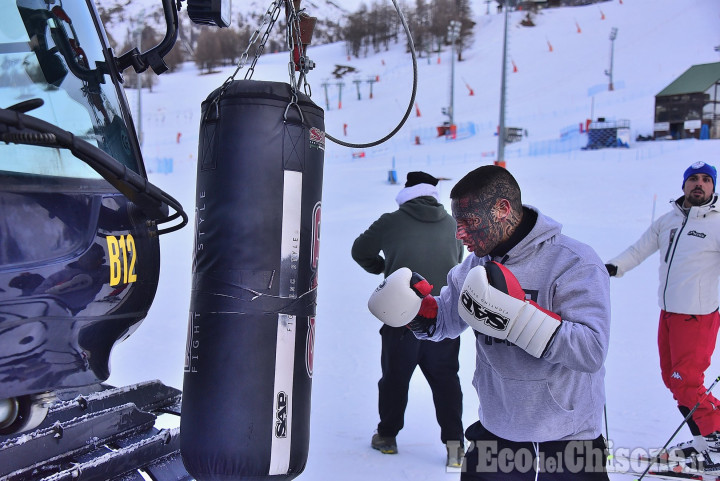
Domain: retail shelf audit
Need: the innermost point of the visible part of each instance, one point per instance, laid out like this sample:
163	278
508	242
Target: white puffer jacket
689	247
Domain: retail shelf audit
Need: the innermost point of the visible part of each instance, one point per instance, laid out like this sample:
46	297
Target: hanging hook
293	102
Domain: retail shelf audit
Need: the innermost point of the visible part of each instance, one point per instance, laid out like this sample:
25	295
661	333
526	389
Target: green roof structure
697	78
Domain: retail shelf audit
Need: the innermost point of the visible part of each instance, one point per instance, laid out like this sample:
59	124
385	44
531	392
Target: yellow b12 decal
122	256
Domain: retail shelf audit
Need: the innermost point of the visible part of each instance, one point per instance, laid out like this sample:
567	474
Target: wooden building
690	106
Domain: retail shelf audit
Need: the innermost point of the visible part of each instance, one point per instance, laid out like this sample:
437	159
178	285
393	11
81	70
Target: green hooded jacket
419	235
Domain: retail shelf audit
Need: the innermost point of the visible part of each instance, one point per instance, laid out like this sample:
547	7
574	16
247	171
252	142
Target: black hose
412	96
153	201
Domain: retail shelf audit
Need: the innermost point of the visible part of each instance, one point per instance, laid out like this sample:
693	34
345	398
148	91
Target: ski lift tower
453	34
501	127
609	72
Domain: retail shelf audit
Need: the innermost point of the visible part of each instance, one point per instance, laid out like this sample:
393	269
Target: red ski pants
686	343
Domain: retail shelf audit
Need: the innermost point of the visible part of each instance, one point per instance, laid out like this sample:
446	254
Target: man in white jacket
688	240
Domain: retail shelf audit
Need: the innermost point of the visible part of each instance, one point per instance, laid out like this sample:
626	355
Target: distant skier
539	303
688	241
419	235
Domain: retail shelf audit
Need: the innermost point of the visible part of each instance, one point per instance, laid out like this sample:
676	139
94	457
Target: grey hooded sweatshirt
561	395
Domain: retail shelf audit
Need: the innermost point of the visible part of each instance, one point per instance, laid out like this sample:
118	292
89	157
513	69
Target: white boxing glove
493	303
399	299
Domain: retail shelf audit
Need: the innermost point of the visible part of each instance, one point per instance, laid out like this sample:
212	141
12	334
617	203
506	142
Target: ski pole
689	415
607	435
607	432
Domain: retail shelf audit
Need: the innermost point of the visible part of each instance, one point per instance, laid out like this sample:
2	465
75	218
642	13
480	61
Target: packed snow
605	198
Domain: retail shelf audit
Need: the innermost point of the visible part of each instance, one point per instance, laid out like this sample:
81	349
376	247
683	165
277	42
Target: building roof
697	78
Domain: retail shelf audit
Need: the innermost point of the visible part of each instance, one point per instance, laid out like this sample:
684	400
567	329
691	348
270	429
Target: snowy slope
605	198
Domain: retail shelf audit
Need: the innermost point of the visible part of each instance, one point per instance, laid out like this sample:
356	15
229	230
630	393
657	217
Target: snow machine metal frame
79	243
79	249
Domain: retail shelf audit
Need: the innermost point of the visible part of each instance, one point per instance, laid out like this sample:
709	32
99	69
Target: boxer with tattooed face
539	304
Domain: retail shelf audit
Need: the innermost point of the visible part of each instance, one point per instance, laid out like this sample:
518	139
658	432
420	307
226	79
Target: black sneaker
384	444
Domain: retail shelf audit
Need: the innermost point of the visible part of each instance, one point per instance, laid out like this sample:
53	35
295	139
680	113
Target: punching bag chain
272	14
295	45
271	17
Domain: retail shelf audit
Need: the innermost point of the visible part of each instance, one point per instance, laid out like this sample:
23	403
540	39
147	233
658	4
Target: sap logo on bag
489	318
317	138
281	415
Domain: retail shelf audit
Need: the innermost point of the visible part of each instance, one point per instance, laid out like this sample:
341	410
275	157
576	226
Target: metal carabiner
293	101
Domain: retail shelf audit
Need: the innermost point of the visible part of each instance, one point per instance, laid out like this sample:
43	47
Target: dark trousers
490	458
438	361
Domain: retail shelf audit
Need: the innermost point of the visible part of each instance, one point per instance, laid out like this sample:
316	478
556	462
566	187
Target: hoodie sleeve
639	251
582	298
366	248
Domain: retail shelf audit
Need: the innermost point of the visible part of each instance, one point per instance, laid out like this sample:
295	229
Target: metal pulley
300	31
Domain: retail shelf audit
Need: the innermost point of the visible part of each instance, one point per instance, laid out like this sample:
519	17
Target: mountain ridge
122	17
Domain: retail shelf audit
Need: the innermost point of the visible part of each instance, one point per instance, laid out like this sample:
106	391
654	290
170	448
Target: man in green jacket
419	235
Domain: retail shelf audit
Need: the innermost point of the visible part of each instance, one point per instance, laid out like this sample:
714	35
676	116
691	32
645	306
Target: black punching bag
248	363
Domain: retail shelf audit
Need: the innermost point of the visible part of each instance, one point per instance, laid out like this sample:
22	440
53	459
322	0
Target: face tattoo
483	220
